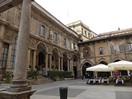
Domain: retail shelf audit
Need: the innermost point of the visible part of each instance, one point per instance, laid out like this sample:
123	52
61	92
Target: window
13	53
64	43
129	47
111	49
122	48
101	49
42	30
82	31
85	33
74	46
3	60
55	37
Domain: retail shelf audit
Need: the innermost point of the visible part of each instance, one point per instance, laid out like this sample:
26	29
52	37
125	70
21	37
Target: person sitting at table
119	80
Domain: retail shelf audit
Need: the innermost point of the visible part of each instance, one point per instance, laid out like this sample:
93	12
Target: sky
99	15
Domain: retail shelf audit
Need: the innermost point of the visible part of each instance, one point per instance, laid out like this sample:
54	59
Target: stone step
41	80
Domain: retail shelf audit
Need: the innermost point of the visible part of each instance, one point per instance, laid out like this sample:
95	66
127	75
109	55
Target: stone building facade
55	46
52	46
82	29
106	48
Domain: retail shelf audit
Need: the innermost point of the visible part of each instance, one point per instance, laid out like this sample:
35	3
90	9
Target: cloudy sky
100	15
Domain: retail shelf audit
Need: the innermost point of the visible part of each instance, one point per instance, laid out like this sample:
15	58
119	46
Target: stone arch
41	56
120	72
43	44
104	74
85	65
102	61
55	59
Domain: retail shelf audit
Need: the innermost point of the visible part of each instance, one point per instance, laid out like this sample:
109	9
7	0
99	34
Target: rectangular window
55	37
64	42
129	47
42	31
111	49
4	55
101	51
122	48
85	33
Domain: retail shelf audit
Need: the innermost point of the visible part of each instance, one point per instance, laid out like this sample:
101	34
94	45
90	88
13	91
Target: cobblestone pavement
78	89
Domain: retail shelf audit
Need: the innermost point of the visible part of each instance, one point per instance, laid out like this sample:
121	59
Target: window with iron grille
13	53
3	61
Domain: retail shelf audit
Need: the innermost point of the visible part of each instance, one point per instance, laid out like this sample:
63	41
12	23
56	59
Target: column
1	48
28	60
50	61
59	64
34	58
46	61
68	64
9	57
20	80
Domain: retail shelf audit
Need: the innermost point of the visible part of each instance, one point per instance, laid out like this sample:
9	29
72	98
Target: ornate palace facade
55	46
52	46
106	48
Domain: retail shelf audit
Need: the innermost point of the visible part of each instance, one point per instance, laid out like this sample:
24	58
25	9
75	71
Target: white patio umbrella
100	68
121	65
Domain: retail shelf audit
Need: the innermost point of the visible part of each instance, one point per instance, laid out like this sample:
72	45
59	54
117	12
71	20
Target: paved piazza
78	89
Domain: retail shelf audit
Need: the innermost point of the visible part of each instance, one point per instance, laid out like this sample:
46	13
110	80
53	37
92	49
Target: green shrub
32	74
7	76
60	74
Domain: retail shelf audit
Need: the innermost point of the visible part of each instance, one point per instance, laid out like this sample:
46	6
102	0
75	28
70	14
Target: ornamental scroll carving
9	34
33	43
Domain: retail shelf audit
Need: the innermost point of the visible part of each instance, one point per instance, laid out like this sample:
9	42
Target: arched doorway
41	55
55	58
41	58
103	62
88	73
65	67
104	74
75	62
121	72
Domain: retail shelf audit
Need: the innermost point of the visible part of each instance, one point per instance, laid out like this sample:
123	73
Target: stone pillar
68	64
19	79
1	48
34	59
50	61
28	60
59	64
20	88
46	61
9	57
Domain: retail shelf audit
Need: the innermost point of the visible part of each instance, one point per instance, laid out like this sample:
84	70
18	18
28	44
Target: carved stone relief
33	42
9	34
